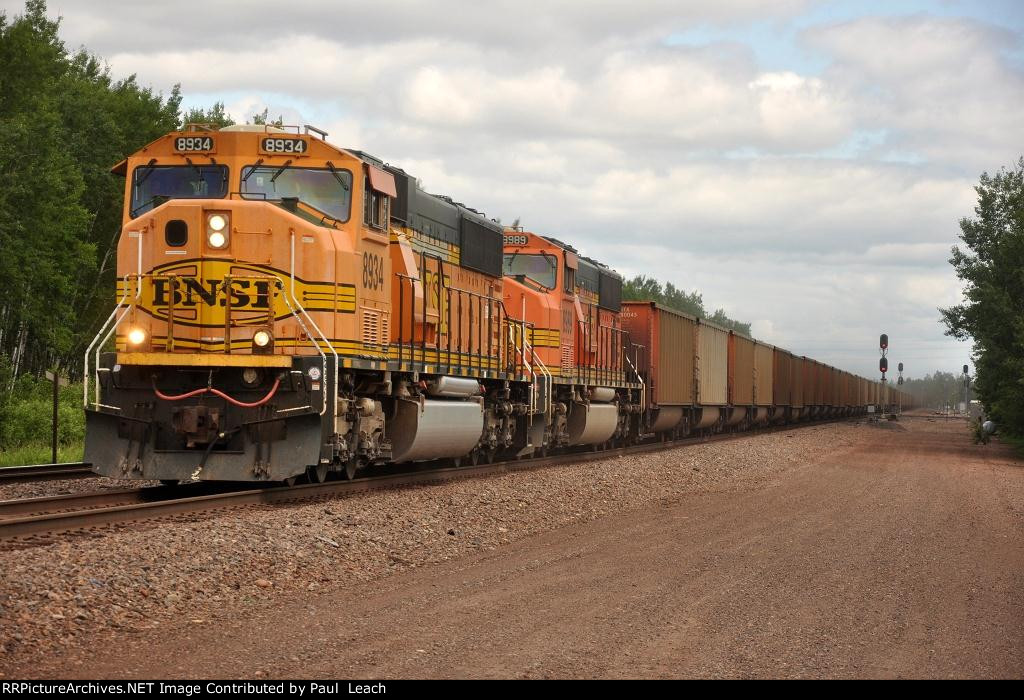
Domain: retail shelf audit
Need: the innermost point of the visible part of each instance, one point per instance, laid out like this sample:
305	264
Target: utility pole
967	381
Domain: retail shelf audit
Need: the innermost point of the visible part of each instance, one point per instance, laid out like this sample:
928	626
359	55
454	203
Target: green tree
214	117
65	123
644	288
263	119
43	224
991	265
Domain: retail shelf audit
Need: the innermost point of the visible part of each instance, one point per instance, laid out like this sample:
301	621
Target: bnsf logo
190	292
516	240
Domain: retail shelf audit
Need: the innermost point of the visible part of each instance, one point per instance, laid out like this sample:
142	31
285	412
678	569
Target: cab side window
375	207
570	279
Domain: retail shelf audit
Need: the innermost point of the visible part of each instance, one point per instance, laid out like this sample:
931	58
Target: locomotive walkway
900	556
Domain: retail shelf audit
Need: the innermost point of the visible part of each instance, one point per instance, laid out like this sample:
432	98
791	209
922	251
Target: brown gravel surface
61	487
838	550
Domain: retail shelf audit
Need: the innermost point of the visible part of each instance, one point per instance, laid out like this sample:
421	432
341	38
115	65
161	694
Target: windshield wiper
199	171
246	177
145	175
337	176
145	204
283	168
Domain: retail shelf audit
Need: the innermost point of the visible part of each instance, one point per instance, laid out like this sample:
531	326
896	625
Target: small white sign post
58	381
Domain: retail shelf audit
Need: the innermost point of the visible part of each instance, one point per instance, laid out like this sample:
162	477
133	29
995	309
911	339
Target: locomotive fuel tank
427	429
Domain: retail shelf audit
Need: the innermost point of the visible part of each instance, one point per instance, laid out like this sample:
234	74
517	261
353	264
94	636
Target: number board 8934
194	144
283	146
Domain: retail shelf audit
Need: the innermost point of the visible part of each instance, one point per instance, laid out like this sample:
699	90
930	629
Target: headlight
217	230
136	336
217	222
261	339
251	376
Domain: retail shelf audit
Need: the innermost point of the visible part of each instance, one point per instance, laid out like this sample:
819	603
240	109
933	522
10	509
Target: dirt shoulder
843	550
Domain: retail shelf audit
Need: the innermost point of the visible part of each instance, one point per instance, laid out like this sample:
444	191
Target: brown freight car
763	375
666	356
741	379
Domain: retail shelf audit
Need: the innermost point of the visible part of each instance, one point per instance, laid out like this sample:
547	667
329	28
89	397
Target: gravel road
839	550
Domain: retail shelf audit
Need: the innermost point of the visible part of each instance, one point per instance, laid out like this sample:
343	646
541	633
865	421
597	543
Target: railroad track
23	521
40	472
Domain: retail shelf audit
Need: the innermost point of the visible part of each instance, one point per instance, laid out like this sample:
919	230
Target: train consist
288	308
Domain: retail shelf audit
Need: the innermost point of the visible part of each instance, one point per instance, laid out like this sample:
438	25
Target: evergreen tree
992	267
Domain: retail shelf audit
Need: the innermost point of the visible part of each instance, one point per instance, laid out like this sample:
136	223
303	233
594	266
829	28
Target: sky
804	165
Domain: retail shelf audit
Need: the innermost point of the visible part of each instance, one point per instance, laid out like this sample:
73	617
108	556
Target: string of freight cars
288	308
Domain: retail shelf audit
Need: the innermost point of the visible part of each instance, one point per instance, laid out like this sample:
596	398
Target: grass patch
26	421
40	454
1016	444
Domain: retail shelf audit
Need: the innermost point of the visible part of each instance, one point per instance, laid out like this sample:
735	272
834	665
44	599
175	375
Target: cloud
946	90
819	203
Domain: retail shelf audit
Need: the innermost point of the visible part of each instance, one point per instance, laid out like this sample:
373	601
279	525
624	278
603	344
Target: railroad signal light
965	369
883	364
900	381
900	367
883	341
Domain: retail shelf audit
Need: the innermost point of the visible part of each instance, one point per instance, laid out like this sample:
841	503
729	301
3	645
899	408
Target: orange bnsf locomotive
287	308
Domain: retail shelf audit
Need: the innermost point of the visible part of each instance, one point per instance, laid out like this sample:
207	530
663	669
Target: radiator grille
375	327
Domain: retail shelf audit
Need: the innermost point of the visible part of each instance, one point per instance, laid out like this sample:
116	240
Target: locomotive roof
596	263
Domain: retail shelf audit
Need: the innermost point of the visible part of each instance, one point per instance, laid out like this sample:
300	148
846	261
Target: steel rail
39	472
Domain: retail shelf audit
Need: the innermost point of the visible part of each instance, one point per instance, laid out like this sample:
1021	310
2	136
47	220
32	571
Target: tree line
936	391
643	288
64	121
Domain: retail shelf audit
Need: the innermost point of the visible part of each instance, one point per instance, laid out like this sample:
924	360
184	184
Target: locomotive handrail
323	356
526	366
544	371
88	350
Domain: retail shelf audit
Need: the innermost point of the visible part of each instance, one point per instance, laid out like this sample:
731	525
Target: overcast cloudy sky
803	164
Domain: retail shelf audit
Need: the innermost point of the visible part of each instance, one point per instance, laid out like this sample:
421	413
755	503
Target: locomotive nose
192	229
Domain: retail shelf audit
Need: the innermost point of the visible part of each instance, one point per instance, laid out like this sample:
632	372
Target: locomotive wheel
317	474
351	466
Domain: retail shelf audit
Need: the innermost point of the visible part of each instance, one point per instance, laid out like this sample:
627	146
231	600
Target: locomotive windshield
540	268
327	190
153	183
